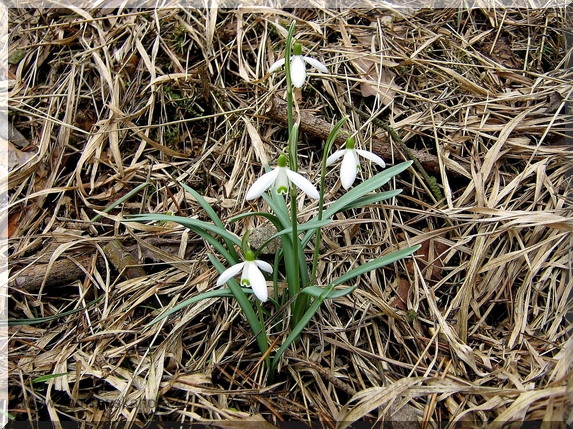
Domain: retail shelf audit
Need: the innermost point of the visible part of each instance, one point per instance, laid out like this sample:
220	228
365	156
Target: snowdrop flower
251	276
298	66
350	163
281	177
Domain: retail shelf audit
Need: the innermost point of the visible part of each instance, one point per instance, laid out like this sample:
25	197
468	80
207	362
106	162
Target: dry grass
474	328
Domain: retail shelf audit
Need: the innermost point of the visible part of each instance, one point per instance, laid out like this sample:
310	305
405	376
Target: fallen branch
63	272
68	270
122	260
320	128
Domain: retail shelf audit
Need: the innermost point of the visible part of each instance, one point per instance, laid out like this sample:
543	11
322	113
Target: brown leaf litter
472	330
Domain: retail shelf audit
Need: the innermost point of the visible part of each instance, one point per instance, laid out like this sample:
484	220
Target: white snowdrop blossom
280	178
350	162
251	275
298	66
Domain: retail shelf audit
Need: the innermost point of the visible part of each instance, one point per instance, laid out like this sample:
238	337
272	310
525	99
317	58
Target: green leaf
16	56
332	138
188	223
278	206
375	264
365	187
121	200
7	415
329	292
360	202
295	333
372	199
287	243
37	321
217	293
357	197
313	224
288	256
234	290
213	215
319	217
272	218
48	377
220	247
317	291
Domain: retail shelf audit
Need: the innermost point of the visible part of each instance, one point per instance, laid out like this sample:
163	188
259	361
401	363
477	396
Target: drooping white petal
335	156
276	65
256	280
265	266
303	184
262	184
372	157
229	273
316	64
348	169
297	71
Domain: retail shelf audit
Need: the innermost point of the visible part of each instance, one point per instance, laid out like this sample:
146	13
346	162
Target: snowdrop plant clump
279	187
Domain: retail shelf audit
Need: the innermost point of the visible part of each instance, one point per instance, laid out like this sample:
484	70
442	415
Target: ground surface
105	102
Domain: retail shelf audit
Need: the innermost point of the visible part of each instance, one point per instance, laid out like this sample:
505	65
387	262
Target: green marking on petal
245	282
282	190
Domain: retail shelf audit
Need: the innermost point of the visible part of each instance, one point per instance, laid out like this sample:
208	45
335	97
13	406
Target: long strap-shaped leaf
365	187
373	199
285	240
270	217
186	222
214	217
312	224
357	197
219	247
317	291
362	269
217	293
375	264
360	202
297	330
329	293
38	320
278	206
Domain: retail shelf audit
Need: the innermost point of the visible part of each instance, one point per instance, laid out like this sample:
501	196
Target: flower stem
294	283
292	128
329	141
294	288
